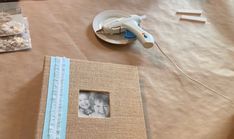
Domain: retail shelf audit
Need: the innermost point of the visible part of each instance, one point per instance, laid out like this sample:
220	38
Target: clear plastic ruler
57	99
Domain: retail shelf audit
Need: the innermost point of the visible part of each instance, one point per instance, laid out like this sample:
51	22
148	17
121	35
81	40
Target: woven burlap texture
126	119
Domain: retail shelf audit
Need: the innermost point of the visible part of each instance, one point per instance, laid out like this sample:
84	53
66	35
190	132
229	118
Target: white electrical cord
189	77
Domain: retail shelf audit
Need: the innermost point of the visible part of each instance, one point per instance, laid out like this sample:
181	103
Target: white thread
189	77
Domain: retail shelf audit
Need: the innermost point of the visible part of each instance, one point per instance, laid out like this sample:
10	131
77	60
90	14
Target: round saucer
101	18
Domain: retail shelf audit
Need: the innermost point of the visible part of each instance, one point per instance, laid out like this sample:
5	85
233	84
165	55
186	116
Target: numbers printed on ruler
57	99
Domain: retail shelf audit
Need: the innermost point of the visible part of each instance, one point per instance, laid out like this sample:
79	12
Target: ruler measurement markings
57	99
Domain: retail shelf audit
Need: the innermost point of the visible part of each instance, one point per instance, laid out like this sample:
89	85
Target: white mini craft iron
118	27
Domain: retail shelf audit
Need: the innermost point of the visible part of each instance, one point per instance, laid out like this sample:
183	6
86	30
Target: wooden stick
186	11
193	18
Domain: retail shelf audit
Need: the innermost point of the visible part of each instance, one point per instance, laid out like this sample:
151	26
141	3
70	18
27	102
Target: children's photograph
93	104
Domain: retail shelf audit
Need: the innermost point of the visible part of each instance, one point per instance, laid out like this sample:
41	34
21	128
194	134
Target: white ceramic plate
101	18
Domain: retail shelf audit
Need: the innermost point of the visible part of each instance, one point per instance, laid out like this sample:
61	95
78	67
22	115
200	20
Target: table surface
174	106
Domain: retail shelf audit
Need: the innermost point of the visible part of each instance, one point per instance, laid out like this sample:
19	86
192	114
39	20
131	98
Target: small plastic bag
13	43
21	41
11	28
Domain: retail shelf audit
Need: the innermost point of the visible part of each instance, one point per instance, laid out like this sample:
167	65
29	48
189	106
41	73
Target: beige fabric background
174	107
